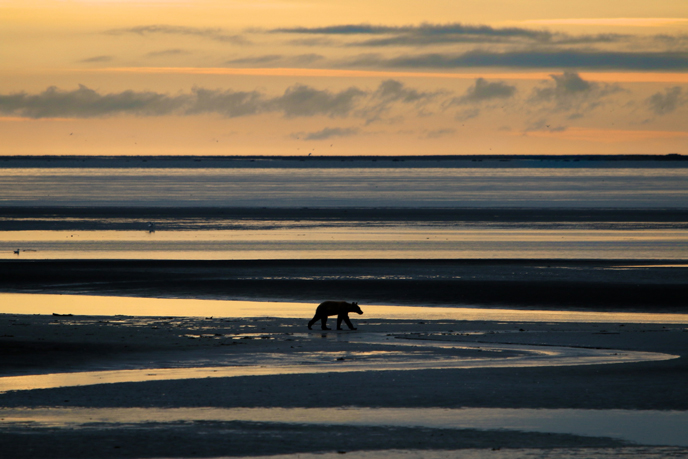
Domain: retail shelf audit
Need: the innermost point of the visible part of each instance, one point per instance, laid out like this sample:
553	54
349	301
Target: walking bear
341	309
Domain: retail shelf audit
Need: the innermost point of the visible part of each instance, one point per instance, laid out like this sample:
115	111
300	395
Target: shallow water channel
643	427
646	427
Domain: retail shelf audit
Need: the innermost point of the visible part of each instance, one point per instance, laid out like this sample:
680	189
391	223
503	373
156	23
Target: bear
341	309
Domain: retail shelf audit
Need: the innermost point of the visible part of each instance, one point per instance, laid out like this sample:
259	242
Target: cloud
569	92
567	59
167	52
436	134
96	59
226	103
468	114
297	101
87	103
302	100
313	41
304	59
483	90
392	92
348	29
674	42
666	102
396	91
265	59
328	133
426	30
434	34
301	59
621	22
202	32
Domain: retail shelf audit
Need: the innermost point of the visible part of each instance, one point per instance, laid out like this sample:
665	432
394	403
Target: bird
151	227
17	251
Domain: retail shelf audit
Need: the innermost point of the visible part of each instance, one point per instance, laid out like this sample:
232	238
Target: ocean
133	208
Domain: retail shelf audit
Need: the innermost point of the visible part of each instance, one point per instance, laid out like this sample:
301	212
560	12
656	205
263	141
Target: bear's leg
339	321
348	322
324	323
313	321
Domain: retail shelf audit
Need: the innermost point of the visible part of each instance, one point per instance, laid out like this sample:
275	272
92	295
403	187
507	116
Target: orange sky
281	77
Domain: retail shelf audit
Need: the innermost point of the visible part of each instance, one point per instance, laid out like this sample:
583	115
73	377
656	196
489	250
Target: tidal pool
644	427
293	363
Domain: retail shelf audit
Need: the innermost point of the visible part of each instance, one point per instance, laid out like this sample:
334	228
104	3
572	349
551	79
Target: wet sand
40	344
55	345
614	285
278	364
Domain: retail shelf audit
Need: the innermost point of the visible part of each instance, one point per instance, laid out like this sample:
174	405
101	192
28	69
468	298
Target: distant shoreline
416	161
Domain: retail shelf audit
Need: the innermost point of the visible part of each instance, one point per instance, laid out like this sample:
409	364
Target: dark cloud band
297	101
209	33
423	29
431	34
645	61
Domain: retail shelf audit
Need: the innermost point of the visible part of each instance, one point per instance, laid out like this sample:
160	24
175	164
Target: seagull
17	251
151	227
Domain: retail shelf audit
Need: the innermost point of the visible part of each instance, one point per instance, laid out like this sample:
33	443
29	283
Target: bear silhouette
341	309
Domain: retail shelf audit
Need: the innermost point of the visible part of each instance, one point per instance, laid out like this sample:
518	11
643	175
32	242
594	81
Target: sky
343	77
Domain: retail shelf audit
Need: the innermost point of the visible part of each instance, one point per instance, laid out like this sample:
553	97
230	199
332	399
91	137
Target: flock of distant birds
151	229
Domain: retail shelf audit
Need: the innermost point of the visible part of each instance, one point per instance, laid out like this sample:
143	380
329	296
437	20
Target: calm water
393	242
642	427
356	187
360	187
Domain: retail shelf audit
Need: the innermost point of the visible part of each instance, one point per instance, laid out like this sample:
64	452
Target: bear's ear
355	303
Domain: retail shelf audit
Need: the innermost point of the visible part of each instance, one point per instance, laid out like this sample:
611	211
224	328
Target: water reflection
365	187
462	356
29	303
646	427
347	242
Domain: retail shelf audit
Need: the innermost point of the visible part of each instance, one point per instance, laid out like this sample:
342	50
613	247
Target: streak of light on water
349	242
645	427
30	303
520	356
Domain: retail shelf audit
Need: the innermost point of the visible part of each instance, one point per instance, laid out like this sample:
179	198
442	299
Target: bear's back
331	308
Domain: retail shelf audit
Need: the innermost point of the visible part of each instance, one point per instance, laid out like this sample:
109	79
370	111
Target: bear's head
355	308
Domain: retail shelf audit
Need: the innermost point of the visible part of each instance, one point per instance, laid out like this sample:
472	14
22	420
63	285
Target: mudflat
641	285
320	369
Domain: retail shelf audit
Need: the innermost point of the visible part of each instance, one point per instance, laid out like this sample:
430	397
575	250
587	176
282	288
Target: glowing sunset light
620	22
627	77
279	77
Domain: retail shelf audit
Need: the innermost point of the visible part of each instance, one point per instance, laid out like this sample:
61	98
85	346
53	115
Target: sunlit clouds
613	22
566	92
386	79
